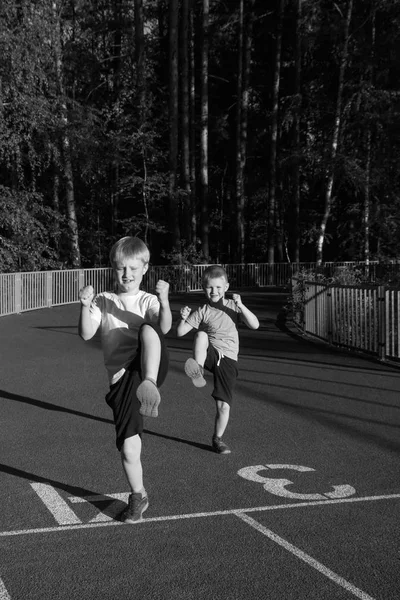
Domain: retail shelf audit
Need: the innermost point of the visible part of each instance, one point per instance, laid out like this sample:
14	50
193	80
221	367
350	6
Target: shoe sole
129	521
149	398
193	370
224	451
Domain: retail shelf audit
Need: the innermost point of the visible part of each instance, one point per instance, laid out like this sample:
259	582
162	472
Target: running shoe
219	446
137	504
195	372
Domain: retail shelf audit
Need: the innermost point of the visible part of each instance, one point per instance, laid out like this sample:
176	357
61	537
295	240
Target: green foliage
29	233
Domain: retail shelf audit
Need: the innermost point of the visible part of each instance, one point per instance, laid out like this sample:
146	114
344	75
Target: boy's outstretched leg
221	421
147	392
138	501
194	367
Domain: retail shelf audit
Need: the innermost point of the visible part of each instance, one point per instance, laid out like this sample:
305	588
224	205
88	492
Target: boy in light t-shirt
132	325
216	344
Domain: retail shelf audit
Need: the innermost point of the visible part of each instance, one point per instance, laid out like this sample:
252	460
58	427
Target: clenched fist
185	312
86	295
162	289
237	300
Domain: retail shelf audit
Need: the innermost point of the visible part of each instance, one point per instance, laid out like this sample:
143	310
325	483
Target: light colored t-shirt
119	326
220	326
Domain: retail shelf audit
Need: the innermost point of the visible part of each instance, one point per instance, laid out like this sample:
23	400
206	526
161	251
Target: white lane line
4	595
217	513
55	504
306	558
123	496
113	504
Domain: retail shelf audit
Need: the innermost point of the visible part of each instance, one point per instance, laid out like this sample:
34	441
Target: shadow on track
54	407
330	419
71	490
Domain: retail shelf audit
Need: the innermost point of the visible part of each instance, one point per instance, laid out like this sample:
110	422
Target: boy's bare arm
248	317
165	316
182	327
86	327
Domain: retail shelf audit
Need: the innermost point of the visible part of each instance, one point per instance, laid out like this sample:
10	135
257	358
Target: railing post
17	292
329	313
49	289
314	297
381	323
81	279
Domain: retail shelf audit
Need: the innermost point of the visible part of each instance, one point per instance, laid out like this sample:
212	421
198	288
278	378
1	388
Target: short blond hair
212	272
129	247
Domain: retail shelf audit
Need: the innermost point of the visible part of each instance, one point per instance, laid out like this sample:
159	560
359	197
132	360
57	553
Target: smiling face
129	274
215	288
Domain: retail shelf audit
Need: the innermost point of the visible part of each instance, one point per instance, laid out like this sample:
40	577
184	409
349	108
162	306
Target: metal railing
21	292
359	317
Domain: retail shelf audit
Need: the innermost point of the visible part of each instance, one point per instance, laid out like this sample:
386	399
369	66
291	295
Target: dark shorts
122	395
225	373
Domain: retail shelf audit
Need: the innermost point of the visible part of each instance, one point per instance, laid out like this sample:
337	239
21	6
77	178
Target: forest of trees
216	130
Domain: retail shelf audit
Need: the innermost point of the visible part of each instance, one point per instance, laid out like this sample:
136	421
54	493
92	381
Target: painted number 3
278	486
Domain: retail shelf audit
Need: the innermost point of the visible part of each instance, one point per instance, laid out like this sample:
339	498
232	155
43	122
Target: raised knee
201	337
147	332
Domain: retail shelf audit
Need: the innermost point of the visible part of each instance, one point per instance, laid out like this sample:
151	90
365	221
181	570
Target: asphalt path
305	507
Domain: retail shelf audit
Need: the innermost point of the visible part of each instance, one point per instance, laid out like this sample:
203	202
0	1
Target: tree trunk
116	48
279	228
244	65
239	250
75	256
173	211
185	114
116	86
192	127
204	133
140	60
330	173
367	199
274	137
297	125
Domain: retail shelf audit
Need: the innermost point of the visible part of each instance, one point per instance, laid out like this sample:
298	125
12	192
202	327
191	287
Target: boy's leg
225	374
122	399
132	465
200	347
221	418
153	354
131	462
221	421
194	367
150	352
